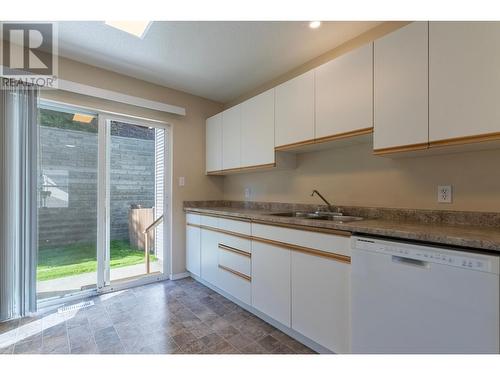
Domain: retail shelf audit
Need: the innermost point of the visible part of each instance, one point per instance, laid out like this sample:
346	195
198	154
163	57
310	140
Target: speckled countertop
464	229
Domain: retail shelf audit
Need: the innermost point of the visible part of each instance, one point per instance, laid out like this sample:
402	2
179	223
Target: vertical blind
18	194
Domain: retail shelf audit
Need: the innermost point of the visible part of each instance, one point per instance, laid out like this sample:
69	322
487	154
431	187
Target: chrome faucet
330	207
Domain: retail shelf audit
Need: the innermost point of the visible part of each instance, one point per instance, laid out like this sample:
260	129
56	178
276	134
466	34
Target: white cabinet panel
237	226
401	87
271	281
257	130
193	218
344	93
321	241
235	285
193	250
231	137
235	261
213	138
295	110
209	256
464	79
320	300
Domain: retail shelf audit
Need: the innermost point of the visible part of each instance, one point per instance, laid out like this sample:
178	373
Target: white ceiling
215	60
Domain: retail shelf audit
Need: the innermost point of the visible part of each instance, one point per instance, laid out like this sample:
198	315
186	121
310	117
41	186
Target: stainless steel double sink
319	215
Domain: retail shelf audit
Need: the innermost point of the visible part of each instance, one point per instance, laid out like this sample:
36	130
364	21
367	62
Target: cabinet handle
234	250
236	273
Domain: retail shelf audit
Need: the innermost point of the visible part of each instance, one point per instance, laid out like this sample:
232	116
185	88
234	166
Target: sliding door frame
103	203
104	283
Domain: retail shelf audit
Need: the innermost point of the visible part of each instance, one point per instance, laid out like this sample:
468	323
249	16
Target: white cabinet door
464	79
320	300
401	88
271	281
257	130
344	93
193	249
213	146
209	256
231	137
295	110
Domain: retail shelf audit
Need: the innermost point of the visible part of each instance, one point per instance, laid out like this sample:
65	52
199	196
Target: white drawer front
236	286
236	242
210	221
321	241
235	261
236	226
193	219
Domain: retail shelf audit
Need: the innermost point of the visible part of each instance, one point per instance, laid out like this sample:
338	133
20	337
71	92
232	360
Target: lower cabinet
298	278
209	256
271	281
320	300
193	250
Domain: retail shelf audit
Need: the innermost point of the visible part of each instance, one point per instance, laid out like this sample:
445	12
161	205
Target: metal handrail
152	226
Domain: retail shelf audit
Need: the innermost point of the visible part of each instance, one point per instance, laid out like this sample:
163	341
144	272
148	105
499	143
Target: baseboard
289	331
178	276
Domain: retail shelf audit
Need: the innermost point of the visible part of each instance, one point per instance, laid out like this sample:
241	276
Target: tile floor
175	317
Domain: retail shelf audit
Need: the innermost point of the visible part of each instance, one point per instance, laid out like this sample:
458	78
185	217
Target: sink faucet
330	208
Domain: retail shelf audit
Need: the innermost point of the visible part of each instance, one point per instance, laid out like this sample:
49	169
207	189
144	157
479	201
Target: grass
75	259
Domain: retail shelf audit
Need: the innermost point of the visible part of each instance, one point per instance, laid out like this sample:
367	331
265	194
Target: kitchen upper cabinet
231	138
193	250
271	281
344	93
464	79
213	147
401	89
320	300
257	130
209	256
295	110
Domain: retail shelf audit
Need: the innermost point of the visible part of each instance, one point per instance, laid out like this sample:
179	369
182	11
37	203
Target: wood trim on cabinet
352	133
220	215
302	249
223	231
466	140
236	273
306	250
306	228
293	145
234	250
396	149
241	169
328	138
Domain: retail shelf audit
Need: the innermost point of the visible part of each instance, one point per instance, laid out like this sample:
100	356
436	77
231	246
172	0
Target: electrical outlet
444	194
248	192
182	181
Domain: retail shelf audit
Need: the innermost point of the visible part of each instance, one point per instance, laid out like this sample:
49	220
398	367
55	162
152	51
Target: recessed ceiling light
314	24
80	117
70	146
137	28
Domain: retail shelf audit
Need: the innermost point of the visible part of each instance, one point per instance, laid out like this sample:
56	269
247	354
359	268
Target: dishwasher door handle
410	261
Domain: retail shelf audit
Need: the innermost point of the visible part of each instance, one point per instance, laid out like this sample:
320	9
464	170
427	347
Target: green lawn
75	259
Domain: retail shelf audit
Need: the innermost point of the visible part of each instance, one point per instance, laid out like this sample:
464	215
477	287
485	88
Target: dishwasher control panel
426	254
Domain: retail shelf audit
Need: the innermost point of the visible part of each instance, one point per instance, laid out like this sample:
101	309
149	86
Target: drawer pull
236	273
236	251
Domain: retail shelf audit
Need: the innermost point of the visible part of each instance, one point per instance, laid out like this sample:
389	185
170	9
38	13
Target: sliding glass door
67	201
136	197
101	201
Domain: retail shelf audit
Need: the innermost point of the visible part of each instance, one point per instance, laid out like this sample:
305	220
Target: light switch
248	192
182	181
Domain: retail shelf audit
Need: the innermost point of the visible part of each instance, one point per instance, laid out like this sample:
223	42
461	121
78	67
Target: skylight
137	28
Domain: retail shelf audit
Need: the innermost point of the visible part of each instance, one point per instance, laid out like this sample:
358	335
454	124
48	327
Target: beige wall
188	135
353	176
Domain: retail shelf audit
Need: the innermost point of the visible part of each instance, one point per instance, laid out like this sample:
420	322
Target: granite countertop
483	237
